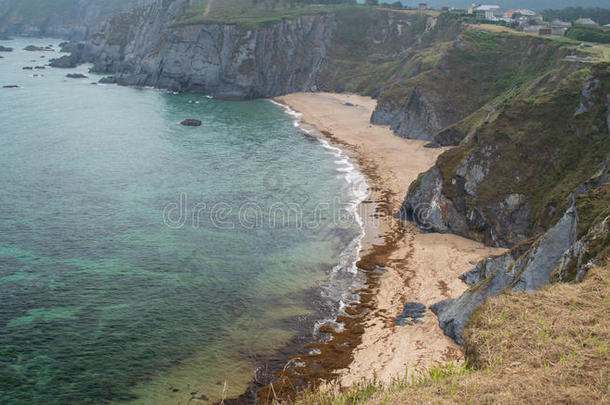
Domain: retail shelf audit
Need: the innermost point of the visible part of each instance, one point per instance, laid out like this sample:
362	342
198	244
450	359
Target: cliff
534	180
70	19
354	49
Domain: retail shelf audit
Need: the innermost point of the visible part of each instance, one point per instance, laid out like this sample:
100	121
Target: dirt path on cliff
422	268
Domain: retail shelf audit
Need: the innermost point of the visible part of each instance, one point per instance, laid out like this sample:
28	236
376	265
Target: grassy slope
370	52
550	347
249	13
543	151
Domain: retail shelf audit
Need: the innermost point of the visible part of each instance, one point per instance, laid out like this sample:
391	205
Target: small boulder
10	86
191	123
39	67
27	68
348	105
412	312
76	76
5	49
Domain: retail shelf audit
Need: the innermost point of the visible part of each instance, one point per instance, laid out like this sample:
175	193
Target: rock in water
76	76
11	86
27	68
33	48
191	123
4	49
65	61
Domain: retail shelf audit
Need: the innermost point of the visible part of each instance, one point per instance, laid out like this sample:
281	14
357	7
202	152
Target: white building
559	28
491	12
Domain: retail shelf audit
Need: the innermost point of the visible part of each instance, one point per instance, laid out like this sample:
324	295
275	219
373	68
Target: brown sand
421	268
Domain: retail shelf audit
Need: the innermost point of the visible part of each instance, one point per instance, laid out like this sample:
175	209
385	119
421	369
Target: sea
146	262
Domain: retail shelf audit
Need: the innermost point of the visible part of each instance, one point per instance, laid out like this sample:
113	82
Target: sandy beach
419	267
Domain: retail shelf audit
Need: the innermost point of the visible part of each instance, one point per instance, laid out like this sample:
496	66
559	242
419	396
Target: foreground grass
550	347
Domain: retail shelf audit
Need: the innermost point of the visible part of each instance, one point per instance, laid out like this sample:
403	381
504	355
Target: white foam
359	191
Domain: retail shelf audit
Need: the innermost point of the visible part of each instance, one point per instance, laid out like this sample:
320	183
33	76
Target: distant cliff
337	51
70	19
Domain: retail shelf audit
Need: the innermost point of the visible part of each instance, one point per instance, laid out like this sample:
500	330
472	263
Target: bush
589	34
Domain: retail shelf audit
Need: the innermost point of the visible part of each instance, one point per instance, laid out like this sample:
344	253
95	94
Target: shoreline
395	257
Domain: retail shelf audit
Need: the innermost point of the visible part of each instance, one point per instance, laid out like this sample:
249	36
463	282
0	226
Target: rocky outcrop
229	61
514	198
455	80
307	53
33	48
418	118
510	181
516	270
65	62
191	123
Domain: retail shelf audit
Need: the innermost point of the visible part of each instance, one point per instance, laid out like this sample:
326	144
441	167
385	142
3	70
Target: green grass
251	14
542	150
439	375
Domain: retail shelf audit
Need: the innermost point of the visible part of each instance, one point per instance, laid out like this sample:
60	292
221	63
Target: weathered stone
66	61
412	312
191	123
33	48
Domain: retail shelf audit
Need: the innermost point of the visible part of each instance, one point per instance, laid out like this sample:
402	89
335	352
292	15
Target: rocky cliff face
511	179
141	48
566	249
472	74
348	50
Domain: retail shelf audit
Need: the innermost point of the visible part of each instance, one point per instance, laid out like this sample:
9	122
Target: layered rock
561	252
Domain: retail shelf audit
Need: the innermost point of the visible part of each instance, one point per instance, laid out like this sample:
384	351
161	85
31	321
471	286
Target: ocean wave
344	278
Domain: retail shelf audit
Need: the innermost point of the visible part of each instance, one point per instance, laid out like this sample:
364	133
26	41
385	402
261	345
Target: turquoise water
147	262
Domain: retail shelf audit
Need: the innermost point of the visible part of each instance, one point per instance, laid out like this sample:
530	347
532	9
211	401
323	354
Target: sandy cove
421	267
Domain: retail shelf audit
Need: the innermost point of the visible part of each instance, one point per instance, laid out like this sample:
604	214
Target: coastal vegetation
597	14
546	347
252	13
589	33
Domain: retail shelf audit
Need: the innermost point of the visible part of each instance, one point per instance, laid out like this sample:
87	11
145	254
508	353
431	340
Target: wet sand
417	267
